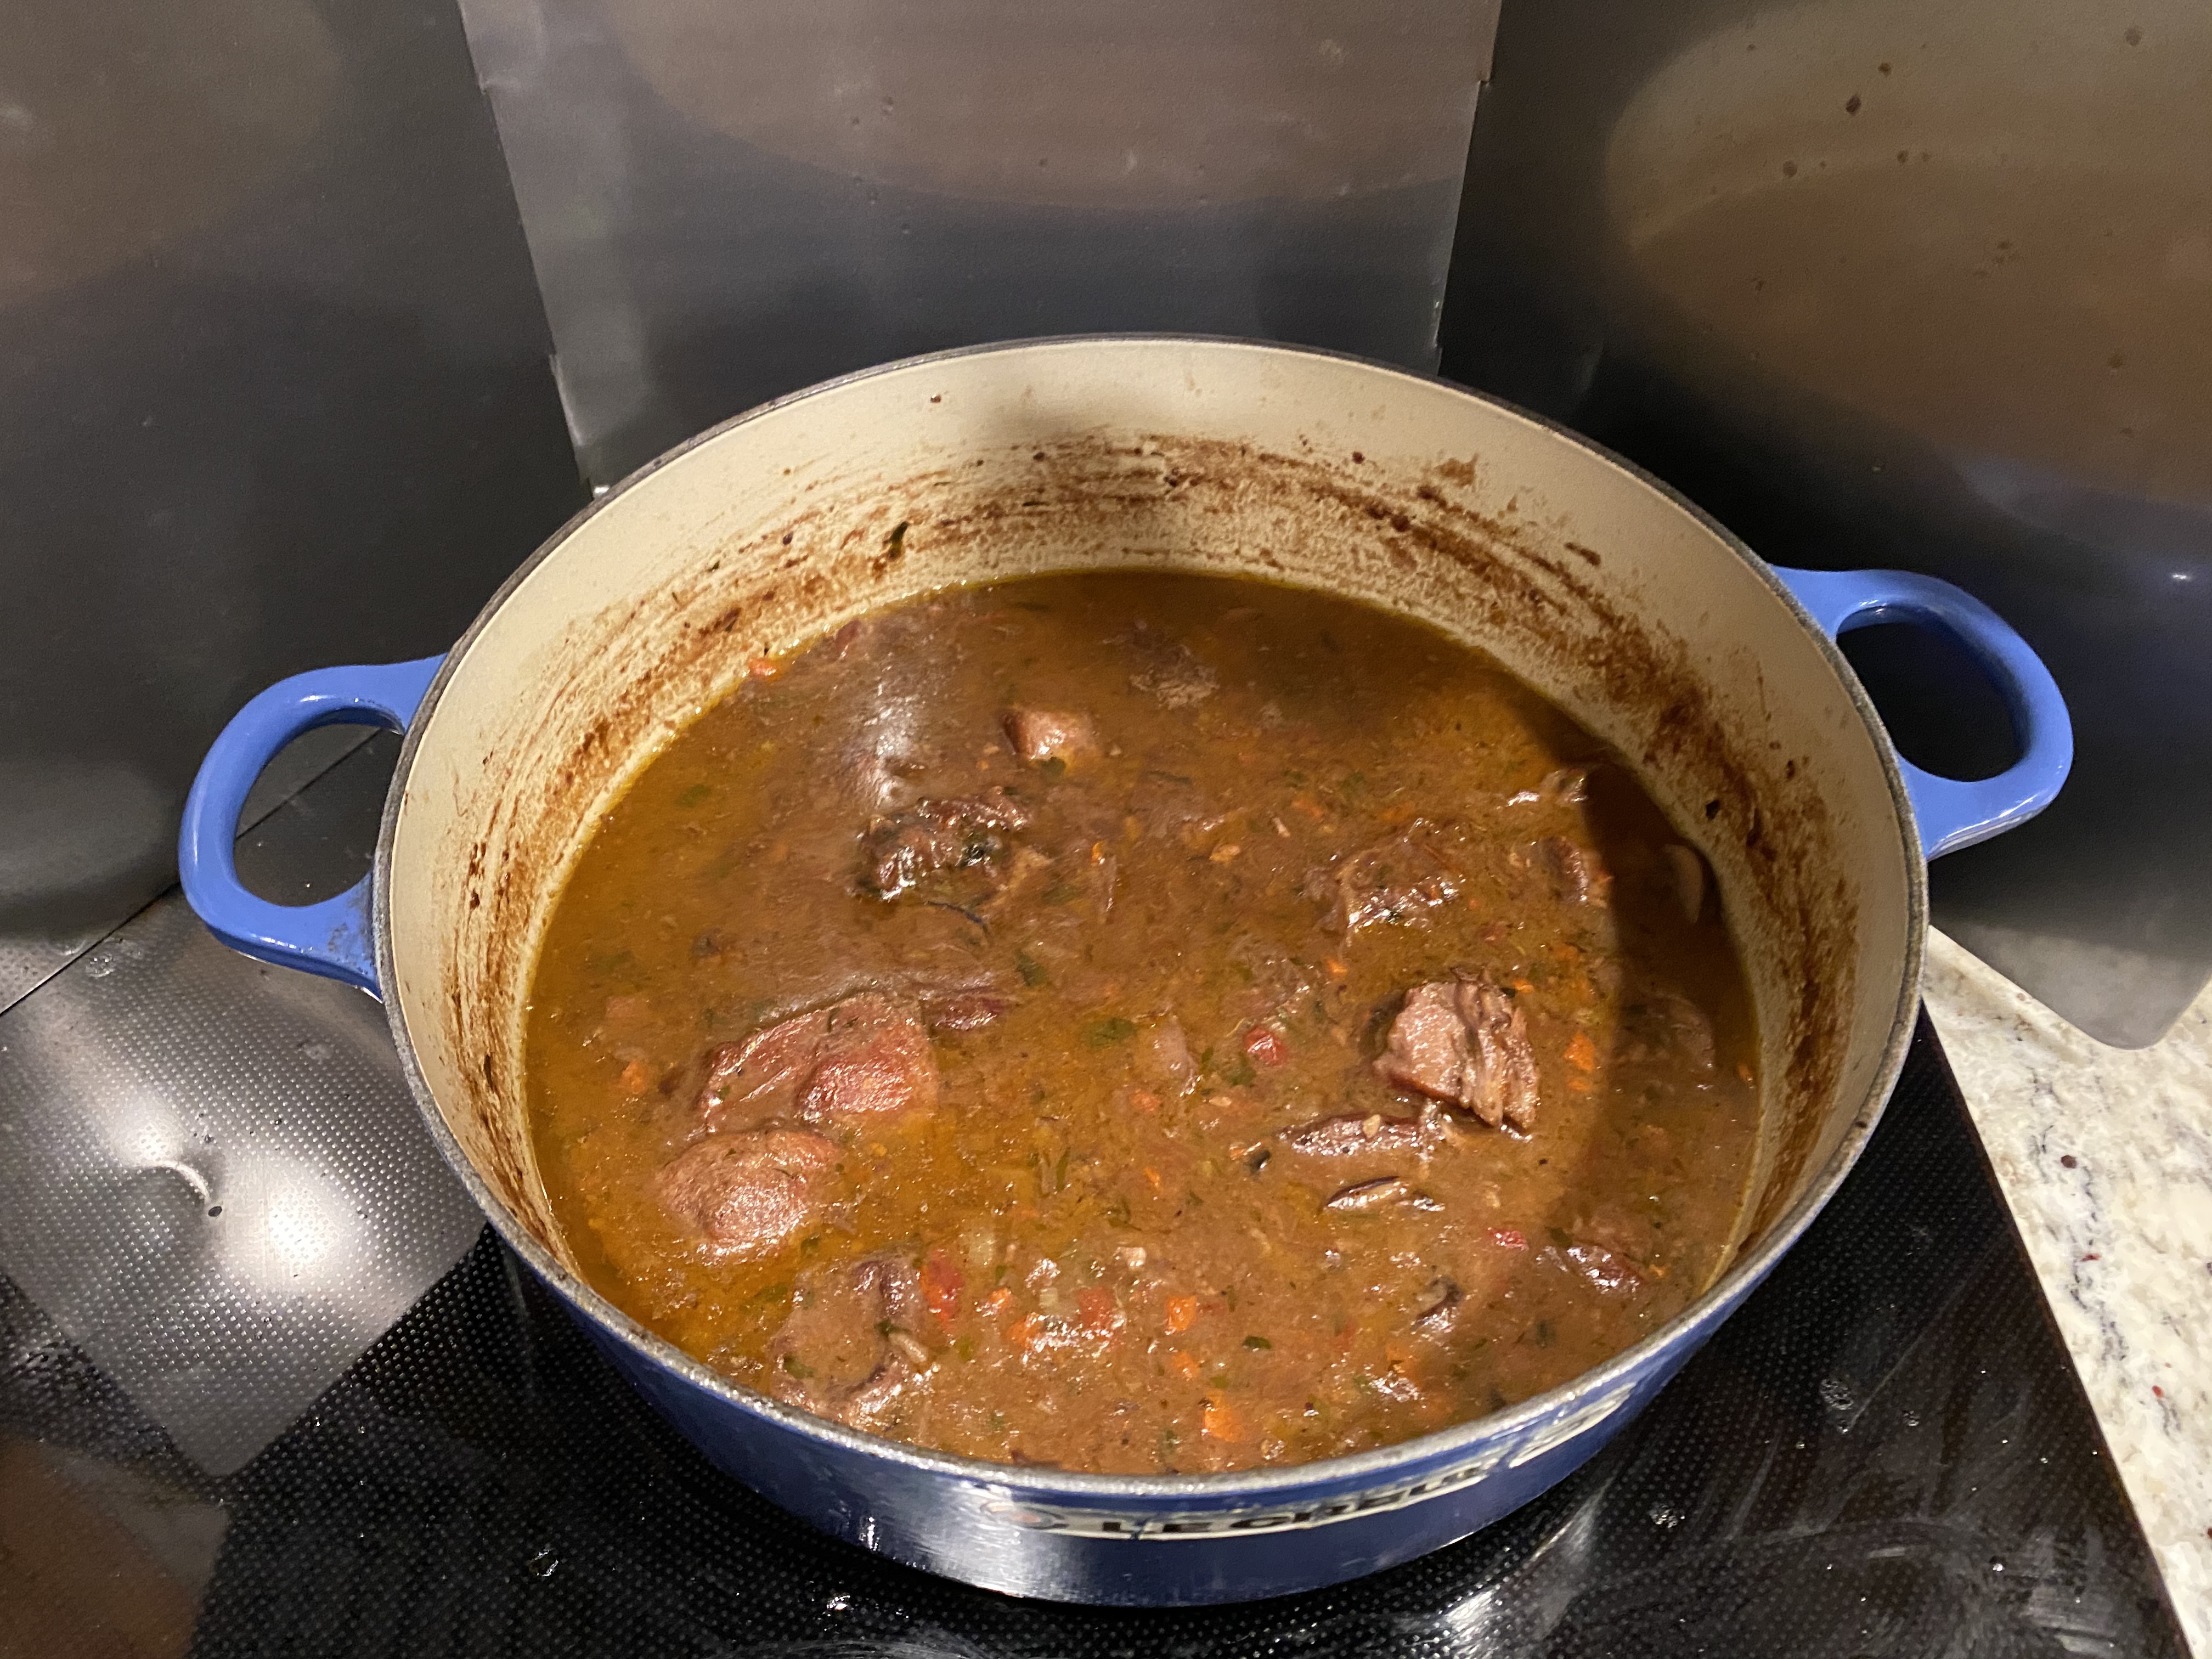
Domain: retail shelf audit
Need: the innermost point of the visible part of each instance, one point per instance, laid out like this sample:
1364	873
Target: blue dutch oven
1716	675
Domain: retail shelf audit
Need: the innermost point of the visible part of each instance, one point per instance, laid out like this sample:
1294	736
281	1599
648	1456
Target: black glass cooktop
1885	1453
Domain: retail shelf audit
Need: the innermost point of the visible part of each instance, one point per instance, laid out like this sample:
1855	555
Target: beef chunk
1601	1269
852	1342
1171	670
749	1193
1398	879
1379	1193
906	848
1662	1026
1039	735
1351	1134
1464	1042
1579	874
966	1011
865	1057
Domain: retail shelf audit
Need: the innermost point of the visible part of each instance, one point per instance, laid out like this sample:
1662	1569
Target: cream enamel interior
1625	608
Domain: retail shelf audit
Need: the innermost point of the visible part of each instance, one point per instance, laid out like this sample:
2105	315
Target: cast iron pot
1715	674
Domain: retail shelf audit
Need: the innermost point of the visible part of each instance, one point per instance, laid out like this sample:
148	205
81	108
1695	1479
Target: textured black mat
1885	1453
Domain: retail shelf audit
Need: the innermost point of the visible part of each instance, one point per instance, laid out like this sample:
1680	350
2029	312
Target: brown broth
1119	1276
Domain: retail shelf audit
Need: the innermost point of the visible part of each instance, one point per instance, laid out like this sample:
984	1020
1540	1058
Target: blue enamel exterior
1168	1549
1127	1542
332	937
1951	813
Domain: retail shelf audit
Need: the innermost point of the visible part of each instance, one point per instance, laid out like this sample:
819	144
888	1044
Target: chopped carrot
998	1301
1580	1086
1581	1053
1098	852
636	1078
1523	986
1307	804
1219	1420
1143	1100
1153	1176
1395	816
1336	969
1743	1071
764	668
1184	1366
941	1282
1182	1314
1026	1331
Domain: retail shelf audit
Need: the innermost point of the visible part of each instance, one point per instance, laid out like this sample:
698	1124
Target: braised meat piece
854	1340
1040	735
1464	1042
749	1193
1170	671
865	1057
905	849
1351	1134
1579	874
1398	879
966	1011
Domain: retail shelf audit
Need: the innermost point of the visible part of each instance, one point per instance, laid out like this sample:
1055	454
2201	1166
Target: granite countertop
2105	1156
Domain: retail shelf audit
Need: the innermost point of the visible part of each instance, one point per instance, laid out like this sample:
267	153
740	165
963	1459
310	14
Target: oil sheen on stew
1142	1023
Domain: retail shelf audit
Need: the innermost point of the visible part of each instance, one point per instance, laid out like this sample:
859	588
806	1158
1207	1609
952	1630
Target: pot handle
333	938
1954	812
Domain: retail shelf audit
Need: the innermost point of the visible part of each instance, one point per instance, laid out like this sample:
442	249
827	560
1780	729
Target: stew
1142	1023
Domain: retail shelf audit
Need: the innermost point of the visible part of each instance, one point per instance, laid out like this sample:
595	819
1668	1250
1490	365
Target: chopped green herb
1108	1032
1560	1236
895	543
1032	975
697	795
1053	766
796	1367
1257	1342
964	1346
775	1292
1061	892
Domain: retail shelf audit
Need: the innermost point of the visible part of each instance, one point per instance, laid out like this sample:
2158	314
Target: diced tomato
1143	1100
636	1078
1509	1238
1219	1419
941	1281
1182	1314
998	1301
1264	1046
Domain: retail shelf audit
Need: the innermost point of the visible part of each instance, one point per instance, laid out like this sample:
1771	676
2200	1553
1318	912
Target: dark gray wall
274	393
1922	285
